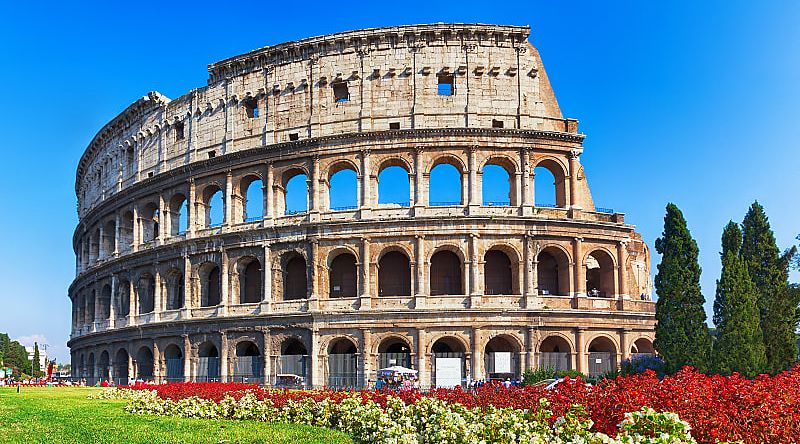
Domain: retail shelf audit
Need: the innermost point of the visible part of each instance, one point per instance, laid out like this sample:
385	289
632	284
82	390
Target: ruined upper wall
286	92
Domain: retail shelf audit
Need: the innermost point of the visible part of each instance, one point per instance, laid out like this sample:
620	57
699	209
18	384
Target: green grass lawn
65	415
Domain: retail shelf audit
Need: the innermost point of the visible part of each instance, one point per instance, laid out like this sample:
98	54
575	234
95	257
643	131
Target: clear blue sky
690	102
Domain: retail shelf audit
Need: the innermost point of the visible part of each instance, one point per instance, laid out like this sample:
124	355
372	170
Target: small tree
681	333
36	362
739	345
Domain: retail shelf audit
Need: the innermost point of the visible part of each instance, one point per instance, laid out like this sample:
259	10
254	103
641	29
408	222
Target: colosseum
249	229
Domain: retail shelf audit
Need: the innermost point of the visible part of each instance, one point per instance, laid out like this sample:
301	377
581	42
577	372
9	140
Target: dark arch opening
174	361
146	290
501	358
208	362
343	276
497	273
394	351
552	272
446	274
394	274
295	281
342	364
144	364
250	285
555	354
599	274
210	285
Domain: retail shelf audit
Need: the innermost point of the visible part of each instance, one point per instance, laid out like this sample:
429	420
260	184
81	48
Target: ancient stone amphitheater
195	262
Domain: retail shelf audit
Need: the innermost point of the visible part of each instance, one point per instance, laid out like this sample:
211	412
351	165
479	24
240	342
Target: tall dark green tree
682	336
777	305
36	361
739	345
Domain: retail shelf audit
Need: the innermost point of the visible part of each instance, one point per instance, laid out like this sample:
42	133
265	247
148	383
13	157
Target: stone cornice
411	36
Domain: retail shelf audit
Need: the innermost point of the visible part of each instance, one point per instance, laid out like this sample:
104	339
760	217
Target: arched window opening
393	186
290	367
295	281
394	274
215	208
599	275
253	201
124	292
105	302
343	276
144	364
174	360
146	290
149	222
497	273
553	272
210	285
602	356
109	239
103	370
250	283
247	367
642	347
126	231
555	354
121	367
501	359
446	274
175	289
342	194
90	301
178	215
342	364
94	246
296	201
444	186
91	371
549	185
497	186
208	363
449	365
394	352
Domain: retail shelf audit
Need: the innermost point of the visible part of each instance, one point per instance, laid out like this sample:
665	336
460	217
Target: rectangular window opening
340	92
294	136
179	131
212	154
497	123
394	125
251	108
150	174
446	85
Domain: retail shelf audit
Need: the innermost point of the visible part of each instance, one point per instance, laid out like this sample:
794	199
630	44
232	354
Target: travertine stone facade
332	294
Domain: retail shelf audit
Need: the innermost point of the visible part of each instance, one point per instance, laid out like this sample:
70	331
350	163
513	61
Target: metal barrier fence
555	361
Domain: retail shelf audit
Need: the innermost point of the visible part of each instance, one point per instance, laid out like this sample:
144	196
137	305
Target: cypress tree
682	336
769	271
36	361
739	346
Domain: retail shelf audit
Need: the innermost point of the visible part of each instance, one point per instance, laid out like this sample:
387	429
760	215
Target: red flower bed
762	410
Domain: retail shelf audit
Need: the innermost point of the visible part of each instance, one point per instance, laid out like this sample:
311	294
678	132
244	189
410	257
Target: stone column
112	304
581	359
475	344
625	349
474	196
188	289
313	255
133	299
579	267
228	199
187	359
266	354
191	210
419	265
156	363
316	365
266	297
223	356
116	234
364	268
420	200
366	184
224	293
366	356
157	294
530	263
475	288
163	227
422	359
527	182
314	204
622	268
136	228
269	196
574	167
532	342
131	363
101	251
